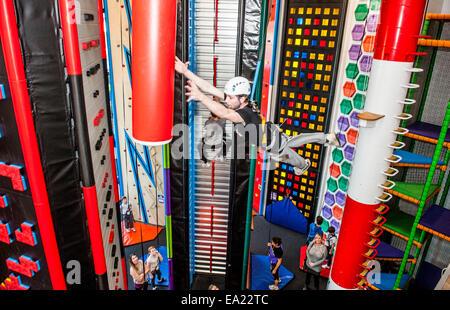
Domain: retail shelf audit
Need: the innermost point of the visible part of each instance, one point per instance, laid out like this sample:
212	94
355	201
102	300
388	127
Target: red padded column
398	30
27	134
153	67
352	243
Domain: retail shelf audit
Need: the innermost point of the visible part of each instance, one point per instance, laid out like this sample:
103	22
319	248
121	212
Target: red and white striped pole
395	49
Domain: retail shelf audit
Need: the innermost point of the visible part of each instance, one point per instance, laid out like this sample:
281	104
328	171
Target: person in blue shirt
275	257
314	229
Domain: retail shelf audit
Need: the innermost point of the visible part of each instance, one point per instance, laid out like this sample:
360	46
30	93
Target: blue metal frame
255	79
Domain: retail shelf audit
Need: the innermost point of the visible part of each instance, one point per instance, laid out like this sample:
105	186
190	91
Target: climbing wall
89	35
48	92
306	82
353	79
215	53
140	169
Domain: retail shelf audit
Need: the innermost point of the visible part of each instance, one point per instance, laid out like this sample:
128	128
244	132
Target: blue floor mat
261	277
163	266
387	281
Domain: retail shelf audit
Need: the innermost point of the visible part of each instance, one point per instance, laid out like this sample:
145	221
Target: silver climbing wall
215	54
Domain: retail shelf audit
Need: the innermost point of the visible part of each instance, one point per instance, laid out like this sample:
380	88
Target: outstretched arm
205	86
194	93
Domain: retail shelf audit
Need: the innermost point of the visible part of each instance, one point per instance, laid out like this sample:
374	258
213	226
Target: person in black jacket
238	109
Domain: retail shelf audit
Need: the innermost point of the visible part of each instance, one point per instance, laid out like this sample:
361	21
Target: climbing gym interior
103	181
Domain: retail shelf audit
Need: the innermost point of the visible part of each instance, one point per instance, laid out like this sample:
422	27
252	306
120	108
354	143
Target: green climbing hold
362	82
352	71
375	5
359	100
343	183
332	185
325	225
346	168
346	106
337	155
361	12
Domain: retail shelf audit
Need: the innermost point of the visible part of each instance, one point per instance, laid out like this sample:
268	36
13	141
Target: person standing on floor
330	243
275	257
127	214
137	272
152	266
316	254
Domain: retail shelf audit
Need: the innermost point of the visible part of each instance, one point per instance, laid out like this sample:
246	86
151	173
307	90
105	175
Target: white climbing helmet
238	86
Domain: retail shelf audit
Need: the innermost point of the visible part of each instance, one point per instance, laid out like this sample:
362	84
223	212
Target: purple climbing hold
327	213
358	32
336	225
343	123
342	139
340	198
365	63
372	23
329	198
354	120
349	152
354	52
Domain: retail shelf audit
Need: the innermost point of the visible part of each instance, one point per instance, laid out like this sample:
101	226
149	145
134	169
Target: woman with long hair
137	271
316	254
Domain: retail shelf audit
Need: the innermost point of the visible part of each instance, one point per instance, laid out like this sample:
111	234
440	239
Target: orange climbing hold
368	44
